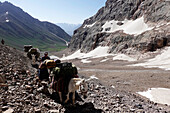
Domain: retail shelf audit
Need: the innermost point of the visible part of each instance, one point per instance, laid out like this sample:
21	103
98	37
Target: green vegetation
22	29
19	43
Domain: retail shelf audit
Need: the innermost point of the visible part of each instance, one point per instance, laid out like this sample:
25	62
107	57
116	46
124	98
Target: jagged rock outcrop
115	23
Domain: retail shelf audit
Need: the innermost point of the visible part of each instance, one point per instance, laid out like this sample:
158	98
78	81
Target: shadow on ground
84	108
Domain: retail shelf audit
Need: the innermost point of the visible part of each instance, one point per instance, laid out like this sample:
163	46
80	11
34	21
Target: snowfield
123	57
158	95
96	53
133	27
160	61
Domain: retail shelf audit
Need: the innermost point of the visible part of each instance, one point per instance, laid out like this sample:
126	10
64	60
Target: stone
54	111
37	110
10	110
28	87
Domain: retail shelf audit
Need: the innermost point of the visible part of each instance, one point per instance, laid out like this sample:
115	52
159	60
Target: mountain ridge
98	29
19	28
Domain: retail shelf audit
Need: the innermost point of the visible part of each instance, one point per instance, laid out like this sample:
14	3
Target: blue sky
60	11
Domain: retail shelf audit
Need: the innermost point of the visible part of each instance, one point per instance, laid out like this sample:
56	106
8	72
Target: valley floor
112	87
122	76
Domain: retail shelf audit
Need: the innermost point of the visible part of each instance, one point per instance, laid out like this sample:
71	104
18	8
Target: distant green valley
18	28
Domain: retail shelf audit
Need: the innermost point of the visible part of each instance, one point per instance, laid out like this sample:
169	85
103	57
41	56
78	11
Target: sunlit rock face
126	26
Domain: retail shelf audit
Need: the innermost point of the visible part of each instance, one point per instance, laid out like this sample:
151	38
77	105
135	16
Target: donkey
75	84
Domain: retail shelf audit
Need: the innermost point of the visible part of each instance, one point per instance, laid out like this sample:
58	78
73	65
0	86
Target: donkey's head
83	88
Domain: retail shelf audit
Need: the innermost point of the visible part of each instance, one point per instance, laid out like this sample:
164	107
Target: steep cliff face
126	25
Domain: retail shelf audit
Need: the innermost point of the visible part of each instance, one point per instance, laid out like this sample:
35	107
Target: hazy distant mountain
18	28
69	28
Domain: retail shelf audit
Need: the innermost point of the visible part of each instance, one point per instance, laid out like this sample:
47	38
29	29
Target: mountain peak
7	3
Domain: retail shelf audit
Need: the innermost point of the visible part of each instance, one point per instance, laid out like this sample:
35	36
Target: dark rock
37	110
4	108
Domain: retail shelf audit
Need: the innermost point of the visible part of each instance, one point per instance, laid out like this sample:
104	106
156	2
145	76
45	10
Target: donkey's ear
83	80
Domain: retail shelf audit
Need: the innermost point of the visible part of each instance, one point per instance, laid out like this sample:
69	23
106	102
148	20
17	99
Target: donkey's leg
60	95
73	97
67	98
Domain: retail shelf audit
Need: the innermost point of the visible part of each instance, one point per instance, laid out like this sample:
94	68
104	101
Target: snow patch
75	55
96	53
7	13
133	27
113	86
85	61
158	95
90	25
161	61
123	57
54	57
104	60
6	20
92	77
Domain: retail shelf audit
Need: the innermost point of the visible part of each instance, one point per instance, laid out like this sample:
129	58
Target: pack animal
74	85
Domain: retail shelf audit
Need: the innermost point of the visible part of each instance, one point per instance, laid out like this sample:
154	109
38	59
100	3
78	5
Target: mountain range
18	28
126	26
69	28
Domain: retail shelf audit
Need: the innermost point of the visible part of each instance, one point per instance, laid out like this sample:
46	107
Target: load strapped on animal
27	47
32	52
50	63
62	74
66	81
35	52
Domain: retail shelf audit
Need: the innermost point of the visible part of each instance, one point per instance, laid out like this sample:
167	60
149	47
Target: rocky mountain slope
18	28
26	94
126	26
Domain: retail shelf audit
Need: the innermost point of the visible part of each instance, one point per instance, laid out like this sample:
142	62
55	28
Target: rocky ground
25	94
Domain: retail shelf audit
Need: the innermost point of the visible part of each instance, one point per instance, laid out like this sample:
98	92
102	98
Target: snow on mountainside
126	26
161	61
131	27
